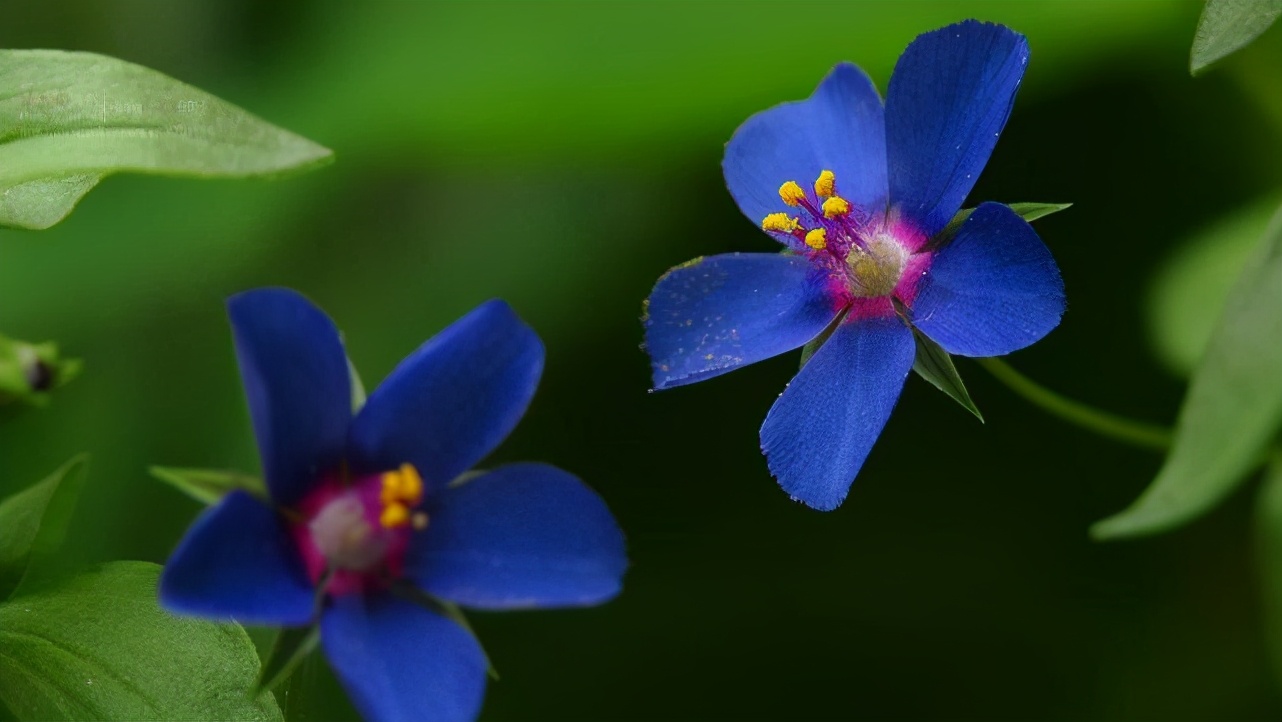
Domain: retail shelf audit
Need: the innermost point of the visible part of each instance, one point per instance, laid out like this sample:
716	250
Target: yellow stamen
419	520
817	239
401	490
791	193
411	484
835	206
779	222
394	515
824	184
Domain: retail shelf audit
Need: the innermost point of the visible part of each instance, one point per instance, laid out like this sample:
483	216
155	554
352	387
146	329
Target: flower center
858	251
876	269
358	533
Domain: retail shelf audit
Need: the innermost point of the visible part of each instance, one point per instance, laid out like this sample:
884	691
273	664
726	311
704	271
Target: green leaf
1232	410
208	486
97	646
34	521
1028	211
936	366
68	119
1189	289
30	371
1227	26
1268	545
292	646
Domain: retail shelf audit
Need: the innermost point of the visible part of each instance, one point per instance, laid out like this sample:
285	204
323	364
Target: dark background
562	156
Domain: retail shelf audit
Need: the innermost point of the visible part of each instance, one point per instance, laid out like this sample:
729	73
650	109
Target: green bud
29	371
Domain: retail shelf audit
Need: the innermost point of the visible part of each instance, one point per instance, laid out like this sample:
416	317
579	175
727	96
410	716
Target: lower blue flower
868	252
369	511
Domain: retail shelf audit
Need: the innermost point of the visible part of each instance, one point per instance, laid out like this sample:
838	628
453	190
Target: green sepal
29	372
291	647
209	486
34	522
358	388
935	365
1227	26
1028	211
446	609
1232	410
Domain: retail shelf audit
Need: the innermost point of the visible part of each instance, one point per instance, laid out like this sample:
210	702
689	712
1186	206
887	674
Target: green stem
1120	428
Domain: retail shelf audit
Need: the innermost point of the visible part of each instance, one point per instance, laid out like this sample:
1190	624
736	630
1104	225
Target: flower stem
1119	428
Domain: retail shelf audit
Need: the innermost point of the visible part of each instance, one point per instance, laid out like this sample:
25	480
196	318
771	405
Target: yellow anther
835	206
824	184
411	484
779	222
394	515
791	193
419	520
817	239
401	490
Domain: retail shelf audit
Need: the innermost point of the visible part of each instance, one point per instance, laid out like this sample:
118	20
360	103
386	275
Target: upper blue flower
364	505
863	252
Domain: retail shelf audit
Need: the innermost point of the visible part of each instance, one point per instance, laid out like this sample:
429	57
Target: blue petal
453	400
821	429
993	290
399	661
948	100
524	535
716	314
238	562
838	128
295	374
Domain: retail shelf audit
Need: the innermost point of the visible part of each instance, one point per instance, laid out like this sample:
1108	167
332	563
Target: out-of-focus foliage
562	155
1234	405
34	521
1268	540
1229	25
1188	292
95	646
68	119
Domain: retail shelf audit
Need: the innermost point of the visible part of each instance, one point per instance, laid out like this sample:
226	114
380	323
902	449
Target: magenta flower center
866	255
357	533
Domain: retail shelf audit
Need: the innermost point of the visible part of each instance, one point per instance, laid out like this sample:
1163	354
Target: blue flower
367	508
863	257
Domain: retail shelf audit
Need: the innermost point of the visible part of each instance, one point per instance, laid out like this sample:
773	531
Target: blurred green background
562	156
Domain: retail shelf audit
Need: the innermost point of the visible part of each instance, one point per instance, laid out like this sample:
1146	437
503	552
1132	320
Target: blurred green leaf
292	646
97	646
28	372
936	366
208	486
69	119
34	521
1233	408
1028	211
1227	26
1189	289
1268	546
